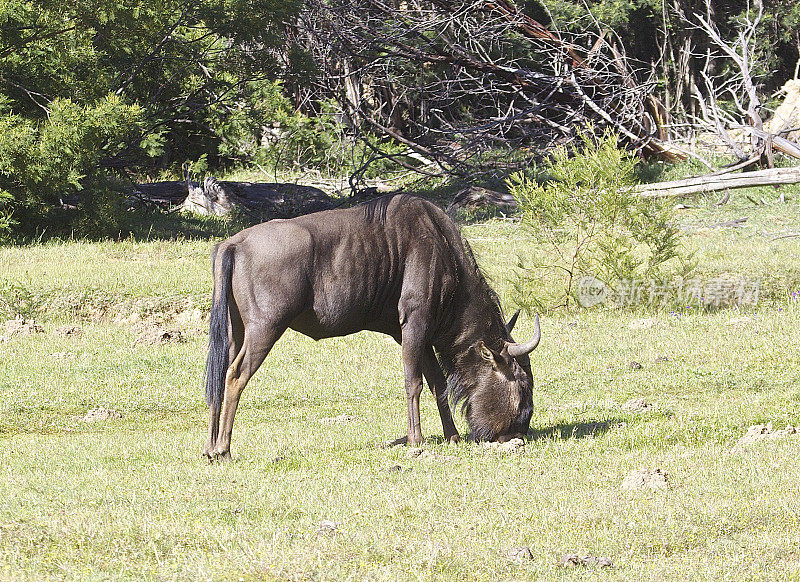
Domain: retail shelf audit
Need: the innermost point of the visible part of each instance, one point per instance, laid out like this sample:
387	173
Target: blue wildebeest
396	265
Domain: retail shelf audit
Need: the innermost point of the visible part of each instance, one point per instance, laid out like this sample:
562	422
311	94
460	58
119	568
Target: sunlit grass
131	498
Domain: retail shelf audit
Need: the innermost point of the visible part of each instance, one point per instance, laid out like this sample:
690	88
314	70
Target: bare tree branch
468	84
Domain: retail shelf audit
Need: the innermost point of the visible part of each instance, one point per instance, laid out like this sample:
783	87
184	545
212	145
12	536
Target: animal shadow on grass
574	430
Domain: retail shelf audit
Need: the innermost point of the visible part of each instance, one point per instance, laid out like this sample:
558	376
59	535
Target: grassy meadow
131	499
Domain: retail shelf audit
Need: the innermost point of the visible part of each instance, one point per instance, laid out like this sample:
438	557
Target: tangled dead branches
473	87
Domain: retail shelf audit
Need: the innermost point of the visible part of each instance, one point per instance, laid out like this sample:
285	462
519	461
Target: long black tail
218	343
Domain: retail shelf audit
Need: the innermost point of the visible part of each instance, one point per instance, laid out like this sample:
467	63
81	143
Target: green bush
46	162
596	234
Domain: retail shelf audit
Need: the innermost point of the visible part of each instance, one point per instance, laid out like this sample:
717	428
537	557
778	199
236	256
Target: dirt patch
639	479
575	560
634	365
511	446
192	318
101	415
20	327
158	311
637	405
763	432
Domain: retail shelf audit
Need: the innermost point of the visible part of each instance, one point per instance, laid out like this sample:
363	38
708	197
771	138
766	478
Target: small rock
521	554
510	446
394	469
327	527
634	365
661	359
637	405
62	355
569	561
762	432
101	414
645	323
645	479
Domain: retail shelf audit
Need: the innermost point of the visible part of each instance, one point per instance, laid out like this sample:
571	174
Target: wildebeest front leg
438	385
413	348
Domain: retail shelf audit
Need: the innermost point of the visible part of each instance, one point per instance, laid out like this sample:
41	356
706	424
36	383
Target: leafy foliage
594	223
89	88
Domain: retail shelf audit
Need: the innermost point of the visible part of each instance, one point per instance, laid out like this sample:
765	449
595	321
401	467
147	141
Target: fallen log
213	197
715	183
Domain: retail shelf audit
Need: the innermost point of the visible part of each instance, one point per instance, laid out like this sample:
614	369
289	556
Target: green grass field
131	498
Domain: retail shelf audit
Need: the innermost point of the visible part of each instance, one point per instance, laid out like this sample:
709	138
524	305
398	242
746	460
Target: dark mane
465	263
375	209
460	383
467	266
487	289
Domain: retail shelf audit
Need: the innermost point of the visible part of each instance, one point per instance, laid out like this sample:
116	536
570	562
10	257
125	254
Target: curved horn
516	350
512	321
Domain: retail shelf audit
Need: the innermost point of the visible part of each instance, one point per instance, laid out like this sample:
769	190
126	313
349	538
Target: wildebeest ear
485	352
512	322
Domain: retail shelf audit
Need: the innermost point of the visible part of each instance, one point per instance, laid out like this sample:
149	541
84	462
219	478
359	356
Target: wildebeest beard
464	390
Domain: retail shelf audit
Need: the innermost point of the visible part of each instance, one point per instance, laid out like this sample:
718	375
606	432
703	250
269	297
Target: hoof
218	456
223	457
454	439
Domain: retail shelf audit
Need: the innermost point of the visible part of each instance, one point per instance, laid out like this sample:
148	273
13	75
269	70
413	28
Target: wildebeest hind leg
258	341
438	385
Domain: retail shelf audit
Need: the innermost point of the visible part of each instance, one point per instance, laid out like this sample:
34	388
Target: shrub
44	162
592	225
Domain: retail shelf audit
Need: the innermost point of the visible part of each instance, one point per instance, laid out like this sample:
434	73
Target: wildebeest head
498	403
